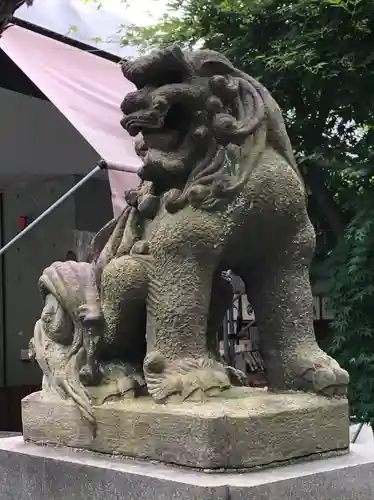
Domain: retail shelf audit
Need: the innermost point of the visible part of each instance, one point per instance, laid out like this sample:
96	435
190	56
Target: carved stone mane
205	125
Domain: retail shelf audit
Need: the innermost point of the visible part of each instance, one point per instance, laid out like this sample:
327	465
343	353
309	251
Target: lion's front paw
185	379
237	377
317	371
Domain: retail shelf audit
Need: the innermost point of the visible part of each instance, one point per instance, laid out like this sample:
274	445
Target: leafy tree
7	9
292	48
317	58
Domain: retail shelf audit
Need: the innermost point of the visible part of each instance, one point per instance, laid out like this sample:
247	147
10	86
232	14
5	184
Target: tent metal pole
118	167
357	433
102	165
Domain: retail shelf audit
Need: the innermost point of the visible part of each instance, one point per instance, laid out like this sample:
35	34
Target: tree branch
7	9
314	178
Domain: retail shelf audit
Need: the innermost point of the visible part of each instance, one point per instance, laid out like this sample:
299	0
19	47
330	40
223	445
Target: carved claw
317	371
120	381
185	379
90	315
237	377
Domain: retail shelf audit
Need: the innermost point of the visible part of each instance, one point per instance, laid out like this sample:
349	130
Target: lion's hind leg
280	292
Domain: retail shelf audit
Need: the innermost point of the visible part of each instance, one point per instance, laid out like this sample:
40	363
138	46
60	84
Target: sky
137	11
91	23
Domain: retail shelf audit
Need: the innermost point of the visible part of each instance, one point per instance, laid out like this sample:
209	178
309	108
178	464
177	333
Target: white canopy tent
87	90
85	22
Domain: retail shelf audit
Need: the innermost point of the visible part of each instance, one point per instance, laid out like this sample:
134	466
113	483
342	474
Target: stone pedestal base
258	430
28	471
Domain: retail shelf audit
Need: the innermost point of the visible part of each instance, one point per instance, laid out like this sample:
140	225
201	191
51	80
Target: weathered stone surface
46	473
350	477
139	322
29	472
217	168
255	430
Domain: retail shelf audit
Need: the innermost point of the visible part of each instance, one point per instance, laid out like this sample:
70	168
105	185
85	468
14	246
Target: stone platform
258	430
31	472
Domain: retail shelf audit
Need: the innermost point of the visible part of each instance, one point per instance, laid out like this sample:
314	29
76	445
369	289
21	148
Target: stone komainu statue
219	190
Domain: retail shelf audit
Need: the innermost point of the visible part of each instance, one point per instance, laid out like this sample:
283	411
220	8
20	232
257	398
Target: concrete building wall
93	205
37	139
42	156
23	263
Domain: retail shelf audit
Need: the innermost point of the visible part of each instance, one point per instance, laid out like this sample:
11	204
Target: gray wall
23	263
42	156
93	205
36	138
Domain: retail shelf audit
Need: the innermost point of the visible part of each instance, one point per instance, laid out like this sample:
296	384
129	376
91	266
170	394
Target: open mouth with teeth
165	130
164	119
157	109
164	112
164	127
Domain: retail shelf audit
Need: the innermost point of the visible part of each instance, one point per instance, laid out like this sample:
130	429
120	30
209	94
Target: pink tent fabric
87	90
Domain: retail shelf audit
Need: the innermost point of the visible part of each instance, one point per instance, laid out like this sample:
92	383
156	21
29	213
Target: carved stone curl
219	190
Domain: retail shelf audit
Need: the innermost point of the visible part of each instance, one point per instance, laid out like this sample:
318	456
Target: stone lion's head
201	125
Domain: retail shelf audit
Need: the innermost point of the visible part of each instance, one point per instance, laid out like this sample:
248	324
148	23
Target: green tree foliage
317	58
314	55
